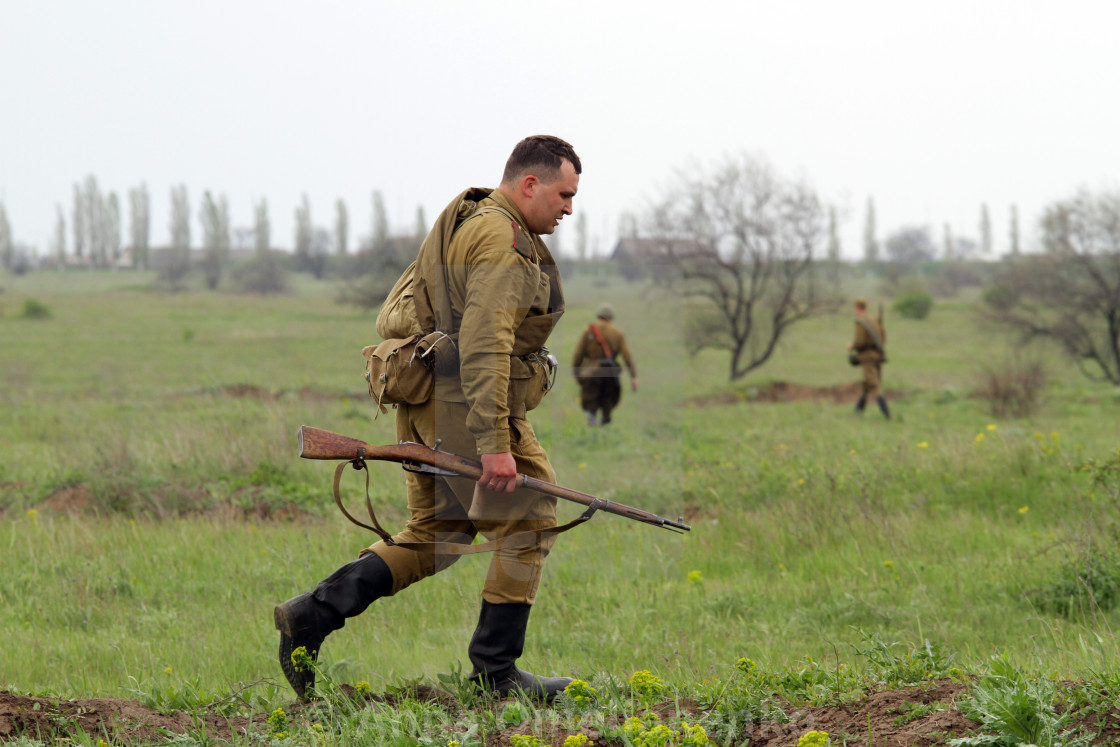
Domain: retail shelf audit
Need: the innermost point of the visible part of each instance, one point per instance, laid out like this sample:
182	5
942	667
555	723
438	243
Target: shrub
1000	296
913	304
35	309
1012	387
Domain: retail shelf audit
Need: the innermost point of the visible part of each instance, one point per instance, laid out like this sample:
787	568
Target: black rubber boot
497	642
860	405
306	620
883	407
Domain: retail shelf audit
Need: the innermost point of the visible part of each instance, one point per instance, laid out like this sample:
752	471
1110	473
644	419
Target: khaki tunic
505	297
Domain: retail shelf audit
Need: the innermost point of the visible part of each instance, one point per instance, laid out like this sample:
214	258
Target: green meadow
153	509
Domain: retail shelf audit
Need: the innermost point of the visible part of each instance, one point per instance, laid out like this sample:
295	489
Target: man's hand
499	473
633	383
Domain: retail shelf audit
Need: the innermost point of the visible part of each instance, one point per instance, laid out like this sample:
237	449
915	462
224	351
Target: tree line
752	251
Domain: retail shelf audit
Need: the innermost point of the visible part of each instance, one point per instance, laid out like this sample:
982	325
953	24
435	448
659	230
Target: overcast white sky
929	108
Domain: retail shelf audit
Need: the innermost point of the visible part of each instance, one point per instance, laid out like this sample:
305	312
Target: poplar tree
6	250
303	234
870	243
140	225
179	254
1014	237
379	235
341	227
78	223
58	244
985	230
262	229
112	227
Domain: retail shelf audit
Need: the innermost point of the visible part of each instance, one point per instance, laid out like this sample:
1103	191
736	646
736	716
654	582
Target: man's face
551	201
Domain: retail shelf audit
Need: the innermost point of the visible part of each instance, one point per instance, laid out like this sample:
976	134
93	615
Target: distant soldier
870	354
596	367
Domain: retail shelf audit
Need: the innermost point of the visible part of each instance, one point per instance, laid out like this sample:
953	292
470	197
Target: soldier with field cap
596	367
483	274
869	347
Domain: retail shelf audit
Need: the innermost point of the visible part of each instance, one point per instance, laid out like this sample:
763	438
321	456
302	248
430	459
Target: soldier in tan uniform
484	276
870	345
596	367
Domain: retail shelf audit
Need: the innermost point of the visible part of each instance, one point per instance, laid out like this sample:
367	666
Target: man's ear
529	185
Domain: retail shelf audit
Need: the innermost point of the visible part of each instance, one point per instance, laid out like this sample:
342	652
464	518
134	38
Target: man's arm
500	286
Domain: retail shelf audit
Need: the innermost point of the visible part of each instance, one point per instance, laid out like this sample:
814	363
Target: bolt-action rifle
316	443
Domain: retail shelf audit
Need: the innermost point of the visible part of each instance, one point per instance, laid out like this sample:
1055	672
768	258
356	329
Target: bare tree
910	245
740	242
1071	293
421	223
140	225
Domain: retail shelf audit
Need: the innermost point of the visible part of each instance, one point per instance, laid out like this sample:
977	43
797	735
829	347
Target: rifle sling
515	541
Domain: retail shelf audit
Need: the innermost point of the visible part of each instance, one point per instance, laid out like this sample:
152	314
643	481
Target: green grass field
171	418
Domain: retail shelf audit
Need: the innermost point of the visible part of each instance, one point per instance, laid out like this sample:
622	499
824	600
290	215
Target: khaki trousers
439	507
871	379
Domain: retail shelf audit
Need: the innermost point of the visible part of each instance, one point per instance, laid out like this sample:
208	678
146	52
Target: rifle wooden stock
316	443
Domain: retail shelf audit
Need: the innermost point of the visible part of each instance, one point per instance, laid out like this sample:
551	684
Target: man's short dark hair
542	155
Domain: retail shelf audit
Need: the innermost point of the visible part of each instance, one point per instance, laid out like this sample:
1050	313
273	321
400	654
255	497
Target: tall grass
811	526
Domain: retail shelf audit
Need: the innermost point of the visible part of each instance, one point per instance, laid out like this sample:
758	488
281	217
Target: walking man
869	347
596	367
489	280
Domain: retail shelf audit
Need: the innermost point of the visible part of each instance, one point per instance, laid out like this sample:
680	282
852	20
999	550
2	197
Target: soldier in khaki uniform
596	367
869	344
484	275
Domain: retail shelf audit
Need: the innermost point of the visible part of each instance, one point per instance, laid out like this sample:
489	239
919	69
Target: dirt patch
125	721
888	718
71	500
786	391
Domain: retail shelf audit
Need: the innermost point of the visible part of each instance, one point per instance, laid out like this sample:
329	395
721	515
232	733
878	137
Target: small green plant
646	685
278	723
577	740
526	740
814	739
580	692
913	711
648	731
1015	710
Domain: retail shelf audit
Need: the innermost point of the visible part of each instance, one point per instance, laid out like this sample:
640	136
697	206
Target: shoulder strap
872	332
599	336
